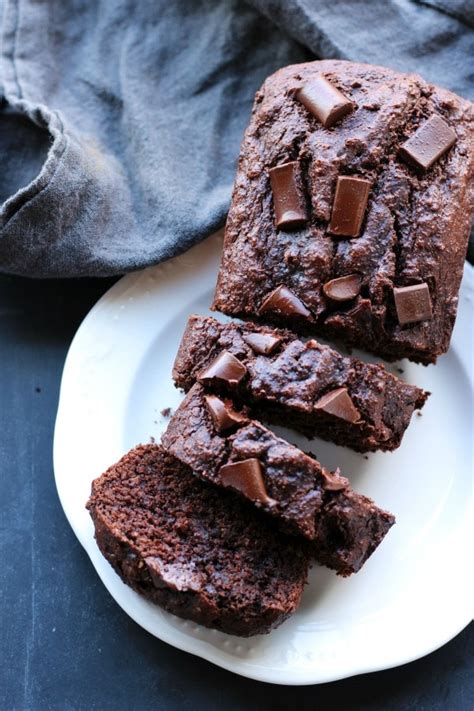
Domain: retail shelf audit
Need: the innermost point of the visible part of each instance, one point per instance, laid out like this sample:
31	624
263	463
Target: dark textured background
64	643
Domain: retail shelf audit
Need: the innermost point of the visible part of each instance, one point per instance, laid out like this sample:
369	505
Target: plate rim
188	643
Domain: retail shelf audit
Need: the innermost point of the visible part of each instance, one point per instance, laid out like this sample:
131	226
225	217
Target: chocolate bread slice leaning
319	391
200	553
222	445
352	208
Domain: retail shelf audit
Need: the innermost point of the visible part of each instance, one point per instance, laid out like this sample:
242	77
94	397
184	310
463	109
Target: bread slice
199	552
309	385
225	447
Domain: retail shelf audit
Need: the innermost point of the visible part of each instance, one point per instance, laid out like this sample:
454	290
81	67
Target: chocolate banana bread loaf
352	208
198	552
283	380
223	445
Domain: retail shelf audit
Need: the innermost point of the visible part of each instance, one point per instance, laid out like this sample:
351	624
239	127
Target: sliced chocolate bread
223	445
284	380
199	552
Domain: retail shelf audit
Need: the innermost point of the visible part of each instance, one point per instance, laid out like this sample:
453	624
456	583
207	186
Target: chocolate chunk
413	303
324	101
288	200
433	138
350	202
283	302
223	415
262	343
333	481
338	403
246	476
226	368
343	288
176	576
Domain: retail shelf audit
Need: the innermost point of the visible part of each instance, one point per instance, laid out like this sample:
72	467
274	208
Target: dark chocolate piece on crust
338	404
288	200
343	288
225	369
199	552
262	343
429	142
283	387
350	203
246	476
324	101
413	303
283	302
223	414
290	486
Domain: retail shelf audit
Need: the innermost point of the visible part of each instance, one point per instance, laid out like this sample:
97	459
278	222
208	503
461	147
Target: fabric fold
139	110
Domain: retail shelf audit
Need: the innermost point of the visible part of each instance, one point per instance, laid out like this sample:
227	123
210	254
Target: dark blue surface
64	643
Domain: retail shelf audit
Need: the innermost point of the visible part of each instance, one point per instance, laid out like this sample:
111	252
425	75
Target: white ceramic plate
411	597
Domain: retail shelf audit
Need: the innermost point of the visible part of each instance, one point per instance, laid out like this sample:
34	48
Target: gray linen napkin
120	120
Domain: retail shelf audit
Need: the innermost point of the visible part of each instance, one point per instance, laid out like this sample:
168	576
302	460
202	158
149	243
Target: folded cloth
431	37
121	120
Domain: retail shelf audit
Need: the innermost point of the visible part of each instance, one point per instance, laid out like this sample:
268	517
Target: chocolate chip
343	288
223	415
350	202
324	101
339	404
333	481
413	303
226	368
283	302
246	476
262	343
433	138
288	199
176	576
